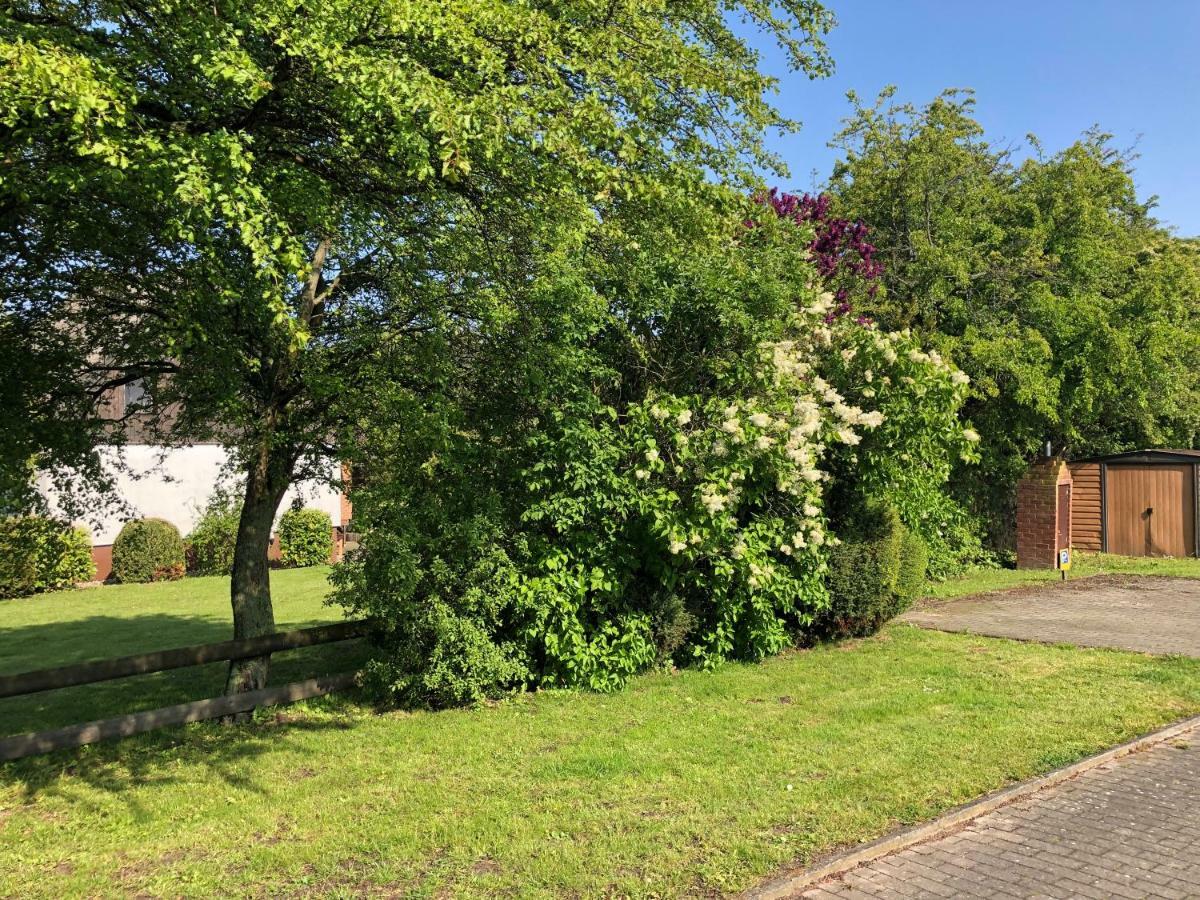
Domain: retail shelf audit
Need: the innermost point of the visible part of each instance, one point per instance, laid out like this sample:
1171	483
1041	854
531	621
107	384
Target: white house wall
175	483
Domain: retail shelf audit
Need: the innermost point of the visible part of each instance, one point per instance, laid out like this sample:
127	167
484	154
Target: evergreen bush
914	565
148	550
874	573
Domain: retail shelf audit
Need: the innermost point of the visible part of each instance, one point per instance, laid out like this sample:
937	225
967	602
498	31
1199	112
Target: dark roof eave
1151	456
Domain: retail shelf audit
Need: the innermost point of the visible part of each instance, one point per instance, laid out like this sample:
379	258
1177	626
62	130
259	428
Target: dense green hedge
41	554
914	565
874	574
211	544
305	537
148	550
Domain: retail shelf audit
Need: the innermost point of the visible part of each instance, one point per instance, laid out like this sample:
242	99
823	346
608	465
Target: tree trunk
267	479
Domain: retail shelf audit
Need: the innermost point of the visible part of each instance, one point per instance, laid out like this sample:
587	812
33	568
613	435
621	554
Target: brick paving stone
1130	829
1152	615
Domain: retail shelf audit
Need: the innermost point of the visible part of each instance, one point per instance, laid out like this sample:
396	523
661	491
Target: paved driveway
1130	828
1150	614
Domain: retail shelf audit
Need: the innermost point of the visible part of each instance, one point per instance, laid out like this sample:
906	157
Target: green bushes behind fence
148	550
42	554
212	541
305	537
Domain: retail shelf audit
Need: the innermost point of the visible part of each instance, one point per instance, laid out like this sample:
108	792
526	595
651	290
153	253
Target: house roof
1148	457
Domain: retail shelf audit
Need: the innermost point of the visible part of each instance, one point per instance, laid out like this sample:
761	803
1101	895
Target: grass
1084	565
691	783
64	627
684	784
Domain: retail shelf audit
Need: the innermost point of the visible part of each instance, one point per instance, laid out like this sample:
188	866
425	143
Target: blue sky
1052	68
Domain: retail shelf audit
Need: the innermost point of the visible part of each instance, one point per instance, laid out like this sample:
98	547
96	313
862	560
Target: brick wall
1037	513
346	507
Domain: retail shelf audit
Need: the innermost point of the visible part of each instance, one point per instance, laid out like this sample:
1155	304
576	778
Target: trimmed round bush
42	554
211	544
874	574
148	550
305	537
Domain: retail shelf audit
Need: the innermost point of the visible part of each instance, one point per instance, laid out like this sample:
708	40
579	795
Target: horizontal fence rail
177	658
21	745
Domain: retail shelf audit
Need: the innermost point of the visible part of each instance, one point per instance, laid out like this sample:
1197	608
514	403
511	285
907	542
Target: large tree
1046	279
246	205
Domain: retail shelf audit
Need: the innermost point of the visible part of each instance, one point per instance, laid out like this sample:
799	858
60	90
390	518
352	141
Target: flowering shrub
908	460
840	249
646	482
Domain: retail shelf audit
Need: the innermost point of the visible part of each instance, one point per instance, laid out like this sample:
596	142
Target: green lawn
691	783
115	620
1085	565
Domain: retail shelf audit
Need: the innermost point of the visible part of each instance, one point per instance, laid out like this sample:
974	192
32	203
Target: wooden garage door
1150	510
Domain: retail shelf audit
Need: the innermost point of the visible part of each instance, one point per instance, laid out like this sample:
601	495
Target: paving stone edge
794	881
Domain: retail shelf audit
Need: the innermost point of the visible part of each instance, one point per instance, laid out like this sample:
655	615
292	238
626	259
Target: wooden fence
21	745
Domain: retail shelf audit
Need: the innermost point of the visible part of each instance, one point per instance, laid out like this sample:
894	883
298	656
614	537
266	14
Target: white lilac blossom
775	436
805	407
848	436
713	502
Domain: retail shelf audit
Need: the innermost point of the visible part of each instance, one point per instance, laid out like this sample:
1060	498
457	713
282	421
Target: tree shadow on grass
204	753
113	766
43	645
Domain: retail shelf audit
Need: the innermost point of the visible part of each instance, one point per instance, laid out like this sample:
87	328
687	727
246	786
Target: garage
1141	503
